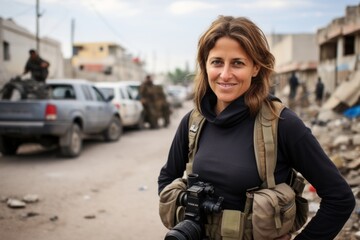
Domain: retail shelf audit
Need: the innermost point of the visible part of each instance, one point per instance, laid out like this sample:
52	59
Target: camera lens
185	230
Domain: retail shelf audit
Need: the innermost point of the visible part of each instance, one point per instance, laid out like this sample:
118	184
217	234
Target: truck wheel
114	130
8	146
71	142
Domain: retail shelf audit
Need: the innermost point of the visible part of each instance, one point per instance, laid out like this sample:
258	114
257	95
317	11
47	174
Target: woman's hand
284	237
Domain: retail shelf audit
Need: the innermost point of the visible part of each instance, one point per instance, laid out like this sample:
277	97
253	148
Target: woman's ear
256	70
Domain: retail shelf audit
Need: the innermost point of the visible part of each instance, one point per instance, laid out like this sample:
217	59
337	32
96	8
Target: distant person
37	66
147	91
319	91
293	83
162	105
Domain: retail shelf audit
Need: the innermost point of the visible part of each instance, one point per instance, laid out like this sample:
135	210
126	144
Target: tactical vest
235	224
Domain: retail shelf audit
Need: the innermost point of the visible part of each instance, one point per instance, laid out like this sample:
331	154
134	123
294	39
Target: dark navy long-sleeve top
225	158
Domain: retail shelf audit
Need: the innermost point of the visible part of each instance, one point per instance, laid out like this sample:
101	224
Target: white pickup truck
75	108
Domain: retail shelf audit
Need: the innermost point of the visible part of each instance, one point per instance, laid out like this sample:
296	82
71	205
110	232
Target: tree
180	76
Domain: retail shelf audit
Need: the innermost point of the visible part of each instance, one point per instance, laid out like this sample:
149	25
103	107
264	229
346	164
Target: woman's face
229	70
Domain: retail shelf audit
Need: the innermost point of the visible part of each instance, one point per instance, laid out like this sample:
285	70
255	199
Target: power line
59	23
23	12
103	19
18	5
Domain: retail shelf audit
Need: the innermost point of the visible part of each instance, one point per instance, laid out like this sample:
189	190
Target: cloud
275	4
185	7
113	7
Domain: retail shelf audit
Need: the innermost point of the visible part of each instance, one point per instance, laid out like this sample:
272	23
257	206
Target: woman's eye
238	63
216	62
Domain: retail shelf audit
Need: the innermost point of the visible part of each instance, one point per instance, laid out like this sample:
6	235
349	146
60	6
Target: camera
198	200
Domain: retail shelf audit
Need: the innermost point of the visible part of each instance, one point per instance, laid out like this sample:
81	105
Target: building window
328	51
77	50
6	51
349	45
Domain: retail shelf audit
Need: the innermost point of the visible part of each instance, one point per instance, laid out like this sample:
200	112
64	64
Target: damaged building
294	53
339	53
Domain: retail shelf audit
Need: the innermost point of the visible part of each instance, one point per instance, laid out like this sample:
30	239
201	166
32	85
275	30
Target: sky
164	33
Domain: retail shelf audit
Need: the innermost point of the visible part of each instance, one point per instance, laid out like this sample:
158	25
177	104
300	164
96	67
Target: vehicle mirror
110	98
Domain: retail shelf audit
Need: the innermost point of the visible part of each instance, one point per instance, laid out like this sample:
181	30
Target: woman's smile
229	70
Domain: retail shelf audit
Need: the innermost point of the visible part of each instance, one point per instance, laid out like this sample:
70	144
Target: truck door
103	108
91	115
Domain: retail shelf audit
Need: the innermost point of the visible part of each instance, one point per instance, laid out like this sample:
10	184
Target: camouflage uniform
162	106
147	93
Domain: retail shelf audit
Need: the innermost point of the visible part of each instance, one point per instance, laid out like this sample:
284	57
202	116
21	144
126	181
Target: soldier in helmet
147	93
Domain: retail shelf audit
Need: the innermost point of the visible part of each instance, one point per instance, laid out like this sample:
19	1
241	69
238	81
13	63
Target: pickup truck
73	110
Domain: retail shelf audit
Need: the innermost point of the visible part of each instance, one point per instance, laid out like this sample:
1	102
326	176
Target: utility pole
37	27
73	73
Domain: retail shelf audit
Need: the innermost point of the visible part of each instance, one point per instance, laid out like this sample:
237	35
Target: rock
14	203
92	216
29	214
354	165
350	155
354	182
143	188
357	235
327	115
356	140
318	130
341	140
31	198
355	127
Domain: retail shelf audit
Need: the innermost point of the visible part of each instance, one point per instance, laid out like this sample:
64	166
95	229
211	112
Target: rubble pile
340	138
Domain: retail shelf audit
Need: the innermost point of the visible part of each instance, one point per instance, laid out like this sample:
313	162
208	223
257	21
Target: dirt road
108	193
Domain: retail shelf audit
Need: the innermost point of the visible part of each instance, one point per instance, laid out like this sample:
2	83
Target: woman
232	82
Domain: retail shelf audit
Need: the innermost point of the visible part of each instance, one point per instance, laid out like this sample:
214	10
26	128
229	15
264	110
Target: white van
131	109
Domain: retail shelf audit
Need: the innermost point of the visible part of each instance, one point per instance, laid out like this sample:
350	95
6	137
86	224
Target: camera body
198	200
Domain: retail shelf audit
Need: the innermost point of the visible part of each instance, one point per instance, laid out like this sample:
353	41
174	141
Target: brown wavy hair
253	41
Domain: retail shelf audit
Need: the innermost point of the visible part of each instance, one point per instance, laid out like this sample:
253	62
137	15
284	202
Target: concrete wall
92	60
336	69
294	52
295	48
20	41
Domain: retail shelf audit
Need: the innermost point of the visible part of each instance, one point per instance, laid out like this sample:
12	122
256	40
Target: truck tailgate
22	110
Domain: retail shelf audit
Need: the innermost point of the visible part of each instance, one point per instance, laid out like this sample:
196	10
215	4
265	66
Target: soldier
37	66
147	93
162	105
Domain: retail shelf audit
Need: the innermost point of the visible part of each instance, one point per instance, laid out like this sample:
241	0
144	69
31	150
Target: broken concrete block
31	198
14	203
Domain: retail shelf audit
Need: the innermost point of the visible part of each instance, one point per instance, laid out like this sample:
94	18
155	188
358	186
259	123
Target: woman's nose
225	73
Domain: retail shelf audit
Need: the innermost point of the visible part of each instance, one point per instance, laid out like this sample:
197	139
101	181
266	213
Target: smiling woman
232	90
229	71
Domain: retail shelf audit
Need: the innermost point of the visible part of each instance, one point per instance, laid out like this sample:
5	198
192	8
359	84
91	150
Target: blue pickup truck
73	110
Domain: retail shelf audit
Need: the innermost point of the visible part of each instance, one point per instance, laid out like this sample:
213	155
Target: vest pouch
232	225
213	226
302	210
169	212
273	212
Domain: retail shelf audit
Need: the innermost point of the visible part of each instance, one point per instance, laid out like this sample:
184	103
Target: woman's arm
178	156
307	156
